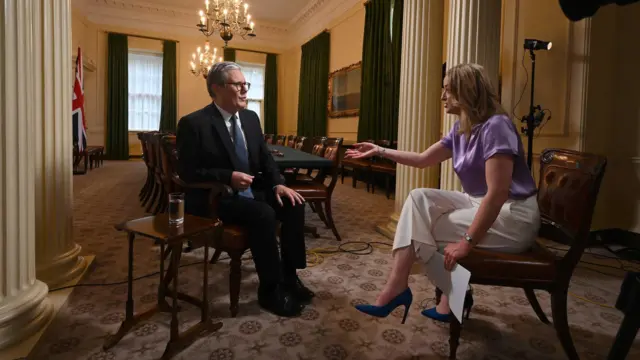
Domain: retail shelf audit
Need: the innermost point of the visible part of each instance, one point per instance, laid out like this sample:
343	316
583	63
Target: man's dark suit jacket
206	153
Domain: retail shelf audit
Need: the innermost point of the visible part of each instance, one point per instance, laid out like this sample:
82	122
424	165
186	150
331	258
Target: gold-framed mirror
344	91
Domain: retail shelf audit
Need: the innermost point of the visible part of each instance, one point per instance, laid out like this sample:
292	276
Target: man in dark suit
223	142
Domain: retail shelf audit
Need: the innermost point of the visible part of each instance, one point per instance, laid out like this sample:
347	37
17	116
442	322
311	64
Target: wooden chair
281	139
356	166
382	165
568	188
233	240
316	192
268	138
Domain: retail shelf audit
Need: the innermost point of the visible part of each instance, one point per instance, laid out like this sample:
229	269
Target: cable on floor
317	254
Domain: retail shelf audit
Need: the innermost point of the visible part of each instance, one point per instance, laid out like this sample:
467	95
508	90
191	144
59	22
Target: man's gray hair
218	74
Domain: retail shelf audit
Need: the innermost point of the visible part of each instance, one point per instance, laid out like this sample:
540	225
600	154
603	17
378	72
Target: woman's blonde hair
474	94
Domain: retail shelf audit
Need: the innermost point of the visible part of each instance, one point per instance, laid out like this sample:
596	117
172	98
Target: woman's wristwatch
468	238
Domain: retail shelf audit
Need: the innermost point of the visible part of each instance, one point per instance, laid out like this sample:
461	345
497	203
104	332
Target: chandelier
228	18
201	61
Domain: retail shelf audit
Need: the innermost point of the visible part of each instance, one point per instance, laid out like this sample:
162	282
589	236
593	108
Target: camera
576	10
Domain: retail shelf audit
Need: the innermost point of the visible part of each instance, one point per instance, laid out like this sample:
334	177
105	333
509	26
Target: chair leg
234	281
215	257
454	337
372	181
354	178
438	295
320	212
332	225
342	174
531	296
561	323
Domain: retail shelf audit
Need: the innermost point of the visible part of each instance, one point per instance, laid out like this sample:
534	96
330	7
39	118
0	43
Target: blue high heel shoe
445	318
404	298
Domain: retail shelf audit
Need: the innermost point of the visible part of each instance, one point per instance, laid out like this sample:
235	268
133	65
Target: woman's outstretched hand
361	151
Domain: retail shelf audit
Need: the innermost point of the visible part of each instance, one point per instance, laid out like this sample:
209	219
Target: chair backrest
331	152
291	141
268	138
299	143
169	155
280	139
567	192
319	144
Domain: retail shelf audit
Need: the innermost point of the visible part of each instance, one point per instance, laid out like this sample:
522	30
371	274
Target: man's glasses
239	85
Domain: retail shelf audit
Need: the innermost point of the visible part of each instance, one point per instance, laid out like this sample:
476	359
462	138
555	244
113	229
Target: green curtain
229	54
381	57
169	107
118	97
271	95
314	80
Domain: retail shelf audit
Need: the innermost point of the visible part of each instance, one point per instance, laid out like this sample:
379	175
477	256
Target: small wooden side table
172	237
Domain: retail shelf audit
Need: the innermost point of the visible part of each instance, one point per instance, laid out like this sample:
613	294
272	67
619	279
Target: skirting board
58	299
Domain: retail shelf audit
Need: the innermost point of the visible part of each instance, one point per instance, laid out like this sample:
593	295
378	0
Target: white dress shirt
227	121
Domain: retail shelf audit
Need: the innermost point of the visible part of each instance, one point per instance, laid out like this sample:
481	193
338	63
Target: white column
57	256
474	37
420	89
24	308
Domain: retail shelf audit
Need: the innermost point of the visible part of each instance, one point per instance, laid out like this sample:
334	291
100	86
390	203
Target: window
254	74
145	90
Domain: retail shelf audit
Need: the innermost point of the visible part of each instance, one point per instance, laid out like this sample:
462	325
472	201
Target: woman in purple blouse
498	209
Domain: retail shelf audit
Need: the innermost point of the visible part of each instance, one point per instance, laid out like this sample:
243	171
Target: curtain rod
141	36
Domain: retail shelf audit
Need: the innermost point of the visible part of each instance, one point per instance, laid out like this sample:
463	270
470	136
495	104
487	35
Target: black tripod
533	119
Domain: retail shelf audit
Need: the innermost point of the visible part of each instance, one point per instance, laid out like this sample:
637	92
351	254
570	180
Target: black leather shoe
280	302
299	291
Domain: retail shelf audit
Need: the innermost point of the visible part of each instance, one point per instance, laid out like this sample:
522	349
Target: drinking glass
176	208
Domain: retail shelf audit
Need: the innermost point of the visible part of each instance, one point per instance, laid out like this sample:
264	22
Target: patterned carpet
502	324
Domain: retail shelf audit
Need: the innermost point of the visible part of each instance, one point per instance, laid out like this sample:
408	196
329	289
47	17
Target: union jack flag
77	113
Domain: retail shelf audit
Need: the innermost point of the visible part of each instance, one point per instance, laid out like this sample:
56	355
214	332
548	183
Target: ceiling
280	24
273	11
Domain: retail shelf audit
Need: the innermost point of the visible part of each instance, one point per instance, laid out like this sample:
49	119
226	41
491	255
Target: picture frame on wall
344	91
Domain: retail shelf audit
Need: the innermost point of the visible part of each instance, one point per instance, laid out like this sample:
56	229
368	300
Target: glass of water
176	208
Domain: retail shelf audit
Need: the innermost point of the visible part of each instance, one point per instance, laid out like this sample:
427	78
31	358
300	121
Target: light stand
533	119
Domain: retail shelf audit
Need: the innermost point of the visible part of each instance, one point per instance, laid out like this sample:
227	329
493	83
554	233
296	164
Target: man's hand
240	180
283	191
455	252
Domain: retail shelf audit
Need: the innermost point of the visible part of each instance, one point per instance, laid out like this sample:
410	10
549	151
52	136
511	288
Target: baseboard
57	298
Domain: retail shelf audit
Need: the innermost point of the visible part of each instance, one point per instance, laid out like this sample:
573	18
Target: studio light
533	44
536	115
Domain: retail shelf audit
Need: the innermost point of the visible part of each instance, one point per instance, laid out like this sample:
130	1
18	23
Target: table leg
130	320
174	314
626	334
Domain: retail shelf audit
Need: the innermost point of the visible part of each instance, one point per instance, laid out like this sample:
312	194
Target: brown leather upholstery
535	264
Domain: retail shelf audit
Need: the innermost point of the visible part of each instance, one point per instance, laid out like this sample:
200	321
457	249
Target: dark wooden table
292	158
172	237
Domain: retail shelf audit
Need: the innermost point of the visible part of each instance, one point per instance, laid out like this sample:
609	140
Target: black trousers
258	216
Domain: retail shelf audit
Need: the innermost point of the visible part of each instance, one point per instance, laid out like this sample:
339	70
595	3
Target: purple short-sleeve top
497	135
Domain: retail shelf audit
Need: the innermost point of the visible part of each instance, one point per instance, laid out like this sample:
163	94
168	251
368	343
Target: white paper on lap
453	283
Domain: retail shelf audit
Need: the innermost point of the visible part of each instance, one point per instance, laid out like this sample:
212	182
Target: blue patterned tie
241	151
